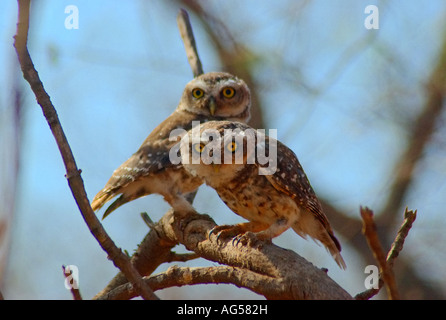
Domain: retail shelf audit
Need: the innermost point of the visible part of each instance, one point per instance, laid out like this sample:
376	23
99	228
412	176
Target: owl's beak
216	167
212	106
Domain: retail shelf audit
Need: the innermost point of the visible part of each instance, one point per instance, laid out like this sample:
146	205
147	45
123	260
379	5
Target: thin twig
74	285
397	246
187	35
369	230
73	176
181	257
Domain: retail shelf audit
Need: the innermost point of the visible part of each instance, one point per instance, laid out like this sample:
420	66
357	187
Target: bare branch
369	230
292	277
187	35
73	176
181	257
74	288
397	246
177	277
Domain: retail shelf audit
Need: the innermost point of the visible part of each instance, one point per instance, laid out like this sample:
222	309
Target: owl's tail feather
115	205
103	197
334	248
336	254
100	199
328	240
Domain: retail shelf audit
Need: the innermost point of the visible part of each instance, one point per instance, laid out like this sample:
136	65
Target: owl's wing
150	159
291	179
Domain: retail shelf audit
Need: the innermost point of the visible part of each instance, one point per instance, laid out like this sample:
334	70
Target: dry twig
187	35
369	230
397	246
74	286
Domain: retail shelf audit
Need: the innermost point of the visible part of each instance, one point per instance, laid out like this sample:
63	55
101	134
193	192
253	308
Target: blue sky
122	72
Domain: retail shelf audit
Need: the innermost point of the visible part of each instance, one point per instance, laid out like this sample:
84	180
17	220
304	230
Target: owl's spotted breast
251	196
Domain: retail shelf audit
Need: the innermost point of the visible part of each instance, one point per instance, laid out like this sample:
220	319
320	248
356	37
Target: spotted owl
150	170
258	178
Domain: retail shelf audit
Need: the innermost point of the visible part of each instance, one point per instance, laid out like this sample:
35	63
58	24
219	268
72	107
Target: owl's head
218	95
218	151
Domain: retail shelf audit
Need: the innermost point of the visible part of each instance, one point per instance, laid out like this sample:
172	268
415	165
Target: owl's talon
247	238
210	233
216	232
222	232
235	239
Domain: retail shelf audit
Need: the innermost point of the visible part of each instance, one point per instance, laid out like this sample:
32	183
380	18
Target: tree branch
177	277
73	285
283	273
397	246
187	35
369	230
73	176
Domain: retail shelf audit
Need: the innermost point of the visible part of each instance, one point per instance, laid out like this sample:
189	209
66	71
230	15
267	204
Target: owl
152	169
258	178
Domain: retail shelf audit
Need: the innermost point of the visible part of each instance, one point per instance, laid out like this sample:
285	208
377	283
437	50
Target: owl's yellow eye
197	93
228	92
232	146
199	147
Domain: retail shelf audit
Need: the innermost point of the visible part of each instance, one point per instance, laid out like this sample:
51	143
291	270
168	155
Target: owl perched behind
211	96
258	178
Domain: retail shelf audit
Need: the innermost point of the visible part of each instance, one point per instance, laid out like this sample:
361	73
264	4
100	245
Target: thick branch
289	275
75	181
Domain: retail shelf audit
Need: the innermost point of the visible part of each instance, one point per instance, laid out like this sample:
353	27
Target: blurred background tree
363	110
